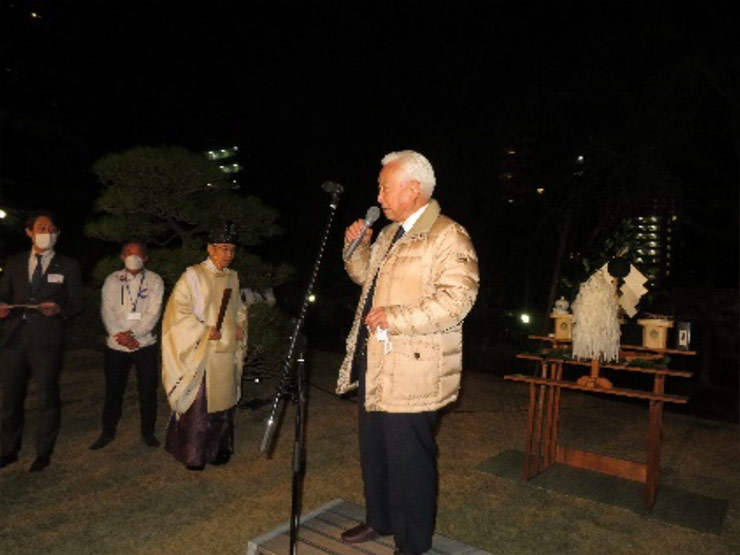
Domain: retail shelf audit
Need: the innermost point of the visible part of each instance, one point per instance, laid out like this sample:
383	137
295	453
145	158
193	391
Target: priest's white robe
188	356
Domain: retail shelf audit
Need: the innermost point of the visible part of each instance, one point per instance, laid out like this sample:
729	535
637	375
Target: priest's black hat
223	231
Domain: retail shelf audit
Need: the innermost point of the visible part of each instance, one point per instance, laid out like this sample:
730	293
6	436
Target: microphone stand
293	387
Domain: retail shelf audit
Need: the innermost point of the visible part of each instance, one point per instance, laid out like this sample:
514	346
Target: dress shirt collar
128	276
412	219
47	255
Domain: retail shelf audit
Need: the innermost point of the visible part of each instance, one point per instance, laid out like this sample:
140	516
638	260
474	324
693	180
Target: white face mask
45	241
133	262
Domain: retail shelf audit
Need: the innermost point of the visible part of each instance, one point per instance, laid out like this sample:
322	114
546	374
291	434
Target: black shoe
5	460
39	464
195	467
359	534
222	458
150	441
102	441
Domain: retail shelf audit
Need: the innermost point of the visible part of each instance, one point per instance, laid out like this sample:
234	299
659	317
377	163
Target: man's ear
416	187
29	233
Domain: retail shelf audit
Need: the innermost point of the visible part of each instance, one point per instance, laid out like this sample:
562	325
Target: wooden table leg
655	424
528	433
549	451
555	411
540	420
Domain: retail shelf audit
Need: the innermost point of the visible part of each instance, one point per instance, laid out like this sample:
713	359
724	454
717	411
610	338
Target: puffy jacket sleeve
357	266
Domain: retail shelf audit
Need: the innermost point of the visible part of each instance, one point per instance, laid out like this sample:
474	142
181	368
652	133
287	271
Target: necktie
38	271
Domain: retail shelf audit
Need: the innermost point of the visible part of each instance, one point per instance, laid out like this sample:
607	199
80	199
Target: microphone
332	187
373	213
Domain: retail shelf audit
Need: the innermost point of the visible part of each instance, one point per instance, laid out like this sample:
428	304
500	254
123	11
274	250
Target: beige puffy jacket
427	283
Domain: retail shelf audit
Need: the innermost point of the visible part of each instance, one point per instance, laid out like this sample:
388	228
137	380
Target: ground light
524	317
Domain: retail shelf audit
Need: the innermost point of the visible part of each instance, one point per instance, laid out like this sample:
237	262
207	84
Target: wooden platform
319	534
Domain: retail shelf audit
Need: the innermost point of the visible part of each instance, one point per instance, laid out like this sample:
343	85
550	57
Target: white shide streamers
596	330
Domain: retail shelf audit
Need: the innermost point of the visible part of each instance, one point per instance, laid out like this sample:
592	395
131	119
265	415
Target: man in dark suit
39	291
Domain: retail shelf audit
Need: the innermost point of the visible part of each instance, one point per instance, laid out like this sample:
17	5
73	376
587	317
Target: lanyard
134	300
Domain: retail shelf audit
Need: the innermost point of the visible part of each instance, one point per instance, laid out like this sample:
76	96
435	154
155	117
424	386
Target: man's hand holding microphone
360	231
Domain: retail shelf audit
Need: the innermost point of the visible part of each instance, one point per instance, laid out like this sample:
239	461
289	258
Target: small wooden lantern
655	332
563	325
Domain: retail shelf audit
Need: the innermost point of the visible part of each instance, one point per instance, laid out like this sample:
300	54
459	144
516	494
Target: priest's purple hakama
198	437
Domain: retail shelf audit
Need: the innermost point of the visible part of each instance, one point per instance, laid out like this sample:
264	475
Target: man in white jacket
131	304
419	280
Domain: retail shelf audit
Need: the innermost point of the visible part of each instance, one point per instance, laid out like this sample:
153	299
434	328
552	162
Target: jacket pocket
416	368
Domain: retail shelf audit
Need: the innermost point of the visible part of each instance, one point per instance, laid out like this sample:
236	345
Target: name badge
134	316
55	278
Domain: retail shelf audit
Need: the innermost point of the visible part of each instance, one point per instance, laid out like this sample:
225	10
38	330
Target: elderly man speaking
404	352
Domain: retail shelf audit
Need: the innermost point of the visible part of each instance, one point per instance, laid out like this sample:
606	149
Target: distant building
653	246
227	161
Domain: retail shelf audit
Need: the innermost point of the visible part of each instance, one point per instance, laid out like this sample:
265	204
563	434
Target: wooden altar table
541	437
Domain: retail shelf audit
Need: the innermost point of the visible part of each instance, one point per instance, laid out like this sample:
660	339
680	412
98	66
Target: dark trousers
117	365
38	355
398	454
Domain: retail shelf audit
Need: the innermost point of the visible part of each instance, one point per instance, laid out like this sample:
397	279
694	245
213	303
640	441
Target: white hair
415	167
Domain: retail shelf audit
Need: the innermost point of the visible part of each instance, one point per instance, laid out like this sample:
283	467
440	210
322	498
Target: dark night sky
329	88
323	91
